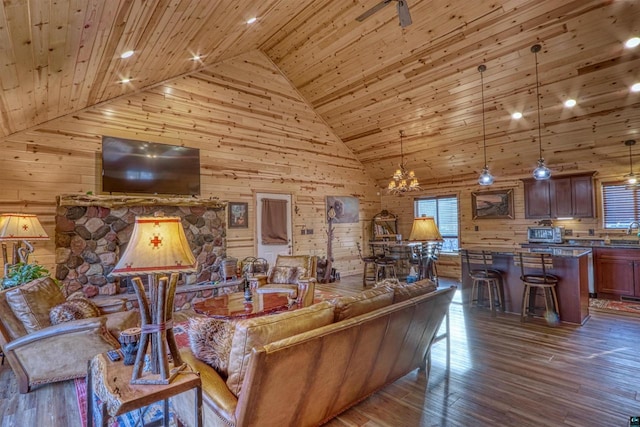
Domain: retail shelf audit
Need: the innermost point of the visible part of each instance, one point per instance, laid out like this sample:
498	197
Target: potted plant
20	273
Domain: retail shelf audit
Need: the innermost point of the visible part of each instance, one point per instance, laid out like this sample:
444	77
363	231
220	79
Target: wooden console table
110	382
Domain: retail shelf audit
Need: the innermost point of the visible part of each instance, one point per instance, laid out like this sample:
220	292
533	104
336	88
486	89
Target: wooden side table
110	381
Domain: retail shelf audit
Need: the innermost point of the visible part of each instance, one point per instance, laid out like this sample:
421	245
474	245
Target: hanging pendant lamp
541	172
631	178
485	176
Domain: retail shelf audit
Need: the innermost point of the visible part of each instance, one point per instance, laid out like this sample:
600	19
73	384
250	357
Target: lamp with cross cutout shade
158	246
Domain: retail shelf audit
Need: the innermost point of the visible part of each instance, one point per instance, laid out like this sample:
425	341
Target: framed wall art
238	215
347	209
492	204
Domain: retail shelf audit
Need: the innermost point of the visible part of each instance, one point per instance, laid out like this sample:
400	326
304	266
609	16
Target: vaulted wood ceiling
368	80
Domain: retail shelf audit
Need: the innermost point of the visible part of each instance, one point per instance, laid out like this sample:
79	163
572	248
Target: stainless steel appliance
545	234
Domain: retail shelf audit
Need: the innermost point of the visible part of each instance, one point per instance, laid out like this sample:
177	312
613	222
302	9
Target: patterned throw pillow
282	275
73	309
210	341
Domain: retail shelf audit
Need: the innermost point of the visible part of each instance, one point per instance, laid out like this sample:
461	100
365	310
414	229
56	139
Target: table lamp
19	228
425	230
158	246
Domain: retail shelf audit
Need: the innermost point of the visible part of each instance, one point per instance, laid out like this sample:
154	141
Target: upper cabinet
569	196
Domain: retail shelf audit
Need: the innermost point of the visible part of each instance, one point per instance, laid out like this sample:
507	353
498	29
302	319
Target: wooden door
560	197
615	274
582	191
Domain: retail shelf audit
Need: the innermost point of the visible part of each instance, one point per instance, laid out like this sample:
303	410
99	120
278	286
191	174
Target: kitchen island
571	266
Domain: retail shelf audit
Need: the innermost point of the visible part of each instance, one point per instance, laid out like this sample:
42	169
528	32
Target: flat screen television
130	166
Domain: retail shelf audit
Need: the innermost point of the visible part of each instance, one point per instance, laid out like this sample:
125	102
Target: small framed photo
492	204
238	215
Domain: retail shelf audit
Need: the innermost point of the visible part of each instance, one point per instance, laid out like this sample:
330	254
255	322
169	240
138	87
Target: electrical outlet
592	232
476	228
568	232
303	231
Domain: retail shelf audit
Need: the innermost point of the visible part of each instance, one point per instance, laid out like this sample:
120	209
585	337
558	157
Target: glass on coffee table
235	306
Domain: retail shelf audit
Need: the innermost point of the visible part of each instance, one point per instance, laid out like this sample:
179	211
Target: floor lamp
157	247
20	229
425	230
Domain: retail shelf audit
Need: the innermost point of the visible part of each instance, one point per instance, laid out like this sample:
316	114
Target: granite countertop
589	243
555	250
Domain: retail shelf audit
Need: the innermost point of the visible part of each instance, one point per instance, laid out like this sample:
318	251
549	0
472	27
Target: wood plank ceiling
368	80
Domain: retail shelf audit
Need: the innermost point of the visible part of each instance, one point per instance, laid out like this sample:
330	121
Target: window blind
444	209
620	205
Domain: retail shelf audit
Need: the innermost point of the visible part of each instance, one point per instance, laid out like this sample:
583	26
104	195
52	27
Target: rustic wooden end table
110	382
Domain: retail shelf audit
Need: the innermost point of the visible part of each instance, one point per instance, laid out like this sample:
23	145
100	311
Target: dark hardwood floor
502	373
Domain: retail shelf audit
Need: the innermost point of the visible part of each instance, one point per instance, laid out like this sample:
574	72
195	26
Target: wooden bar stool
368	261
385	266
479	265
539	279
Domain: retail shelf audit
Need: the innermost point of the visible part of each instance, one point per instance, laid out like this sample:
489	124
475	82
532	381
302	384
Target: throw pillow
282	275
73	309
32	302
210	341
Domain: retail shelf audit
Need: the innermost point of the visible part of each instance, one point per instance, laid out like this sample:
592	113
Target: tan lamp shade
425	230
157	245
21	227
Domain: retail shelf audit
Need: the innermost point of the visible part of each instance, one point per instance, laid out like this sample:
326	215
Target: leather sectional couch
303	368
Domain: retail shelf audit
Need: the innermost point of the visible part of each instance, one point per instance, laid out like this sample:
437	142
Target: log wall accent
255	134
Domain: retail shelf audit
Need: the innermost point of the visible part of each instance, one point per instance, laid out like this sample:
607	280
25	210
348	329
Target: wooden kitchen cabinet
617	272
564	196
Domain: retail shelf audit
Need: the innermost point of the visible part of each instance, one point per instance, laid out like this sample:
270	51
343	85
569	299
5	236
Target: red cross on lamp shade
157	245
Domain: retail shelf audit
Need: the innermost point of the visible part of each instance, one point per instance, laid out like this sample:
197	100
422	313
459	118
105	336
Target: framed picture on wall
238	215
347	209
492	204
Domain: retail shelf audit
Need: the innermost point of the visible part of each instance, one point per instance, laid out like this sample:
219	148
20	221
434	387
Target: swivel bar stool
368	261
539	279
479	266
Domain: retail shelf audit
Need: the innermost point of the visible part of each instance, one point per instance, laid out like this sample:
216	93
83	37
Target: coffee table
234	307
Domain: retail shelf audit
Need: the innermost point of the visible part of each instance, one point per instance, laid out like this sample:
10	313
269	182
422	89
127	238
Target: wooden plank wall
255	134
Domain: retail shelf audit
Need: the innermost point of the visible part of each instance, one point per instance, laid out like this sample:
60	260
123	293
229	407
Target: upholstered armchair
40	352
293	274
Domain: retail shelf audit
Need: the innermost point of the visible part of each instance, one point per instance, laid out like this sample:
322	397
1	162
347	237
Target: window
621	205
444	209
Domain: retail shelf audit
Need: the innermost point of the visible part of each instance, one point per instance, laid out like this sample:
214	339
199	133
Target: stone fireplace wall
92	231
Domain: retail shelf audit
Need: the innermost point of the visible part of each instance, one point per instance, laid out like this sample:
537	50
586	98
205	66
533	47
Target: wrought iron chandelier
403	181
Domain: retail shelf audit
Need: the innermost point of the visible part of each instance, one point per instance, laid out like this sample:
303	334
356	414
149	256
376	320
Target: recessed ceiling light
635	87
126	54
632	42
517	115
126	80
570	103
252	20
196	58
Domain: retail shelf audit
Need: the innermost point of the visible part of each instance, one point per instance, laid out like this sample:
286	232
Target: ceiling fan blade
403	13
373	10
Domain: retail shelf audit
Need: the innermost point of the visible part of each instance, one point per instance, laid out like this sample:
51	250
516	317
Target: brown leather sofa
310	377
58	352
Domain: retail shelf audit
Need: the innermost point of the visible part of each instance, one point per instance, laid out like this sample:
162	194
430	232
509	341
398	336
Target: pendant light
542	171
485	176
631	178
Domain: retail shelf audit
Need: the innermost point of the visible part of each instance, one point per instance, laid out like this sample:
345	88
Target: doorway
269	250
